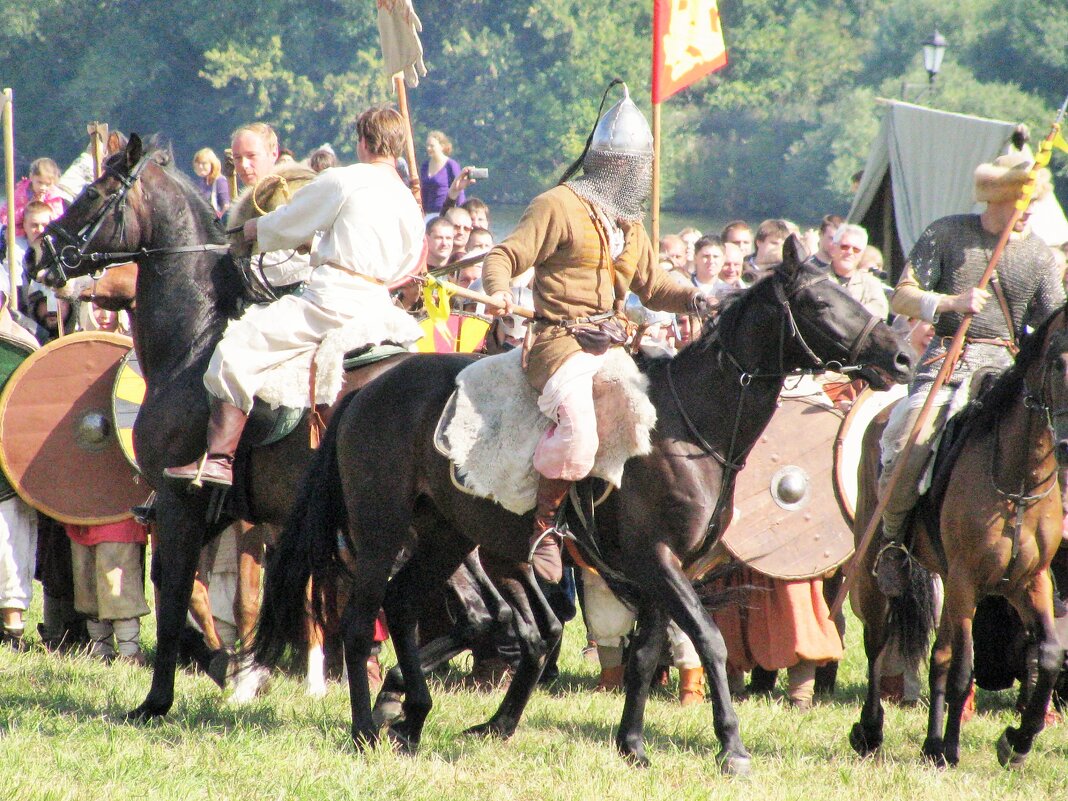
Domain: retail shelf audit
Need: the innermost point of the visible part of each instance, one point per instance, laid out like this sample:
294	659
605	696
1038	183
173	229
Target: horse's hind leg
539	630
1015	744
405	596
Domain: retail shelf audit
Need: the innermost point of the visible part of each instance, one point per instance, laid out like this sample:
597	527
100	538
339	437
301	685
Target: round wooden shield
462	332
12	353
126	398
786	520
848	444
58	445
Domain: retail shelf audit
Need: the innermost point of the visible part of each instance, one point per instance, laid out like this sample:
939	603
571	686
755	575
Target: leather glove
703	306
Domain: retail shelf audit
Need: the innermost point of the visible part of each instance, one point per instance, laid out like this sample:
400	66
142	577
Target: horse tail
307	550
912	616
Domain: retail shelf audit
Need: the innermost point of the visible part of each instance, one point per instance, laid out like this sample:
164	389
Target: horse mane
993	403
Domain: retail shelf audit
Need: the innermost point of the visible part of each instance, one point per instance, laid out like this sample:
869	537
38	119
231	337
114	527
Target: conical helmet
617	169
623	129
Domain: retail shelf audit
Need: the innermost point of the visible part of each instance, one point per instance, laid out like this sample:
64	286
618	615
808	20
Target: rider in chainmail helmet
587	245
939	285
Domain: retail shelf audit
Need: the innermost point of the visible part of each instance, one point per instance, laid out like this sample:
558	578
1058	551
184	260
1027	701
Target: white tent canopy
931	156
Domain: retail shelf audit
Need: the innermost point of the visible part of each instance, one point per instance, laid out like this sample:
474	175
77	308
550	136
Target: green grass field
61	737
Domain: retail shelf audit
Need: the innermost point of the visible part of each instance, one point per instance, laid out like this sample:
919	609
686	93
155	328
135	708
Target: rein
788	324
72	253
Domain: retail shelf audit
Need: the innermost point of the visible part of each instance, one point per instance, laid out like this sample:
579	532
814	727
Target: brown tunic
559	236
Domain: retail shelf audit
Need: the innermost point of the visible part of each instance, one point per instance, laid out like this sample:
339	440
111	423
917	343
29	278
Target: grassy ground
61	738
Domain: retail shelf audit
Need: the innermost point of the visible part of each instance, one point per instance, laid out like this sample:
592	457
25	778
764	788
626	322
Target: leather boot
611	679
545	555
691	686
225	425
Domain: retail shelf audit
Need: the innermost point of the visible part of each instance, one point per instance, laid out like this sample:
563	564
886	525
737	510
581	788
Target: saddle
491	426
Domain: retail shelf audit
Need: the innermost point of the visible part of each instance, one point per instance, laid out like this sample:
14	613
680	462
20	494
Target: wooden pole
655	203
98	135
9	191
231	177
470	294
402	105
950	361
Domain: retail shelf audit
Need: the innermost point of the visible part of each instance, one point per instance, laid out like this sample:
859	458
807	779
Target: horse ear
792	252
133	151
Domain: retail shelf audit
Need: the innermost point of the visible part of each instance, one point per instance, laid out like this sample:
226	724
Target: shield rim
30	350
5	397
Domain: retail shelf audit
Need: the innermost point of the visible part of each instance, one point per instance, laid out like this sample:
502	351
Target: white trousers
18	553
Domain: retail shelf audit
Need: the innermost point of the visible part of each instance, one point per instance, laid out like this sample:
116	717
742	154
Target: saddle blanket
491	426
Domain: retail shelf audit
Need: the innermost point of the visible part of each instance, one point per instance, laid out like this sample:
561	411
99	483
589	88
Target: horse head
98	220
1050	375
828	329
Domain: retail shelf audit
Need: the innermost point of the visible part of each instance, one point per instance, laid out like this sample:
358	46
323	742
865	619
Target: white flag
398	28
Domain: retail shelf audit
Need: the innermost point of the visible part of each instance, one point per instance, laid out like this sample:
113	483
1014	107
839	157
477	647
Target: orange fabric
782	623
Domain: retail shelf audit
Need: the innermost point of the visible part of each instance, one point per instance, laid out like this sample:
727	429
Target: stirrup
892	586
534	543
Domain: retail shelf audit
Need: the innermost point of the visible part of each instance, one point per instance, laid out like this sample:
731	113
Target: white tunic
371	235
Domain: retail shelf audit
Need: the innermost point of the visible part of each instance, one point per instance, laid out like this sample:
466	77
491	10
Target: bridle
64	251
789	331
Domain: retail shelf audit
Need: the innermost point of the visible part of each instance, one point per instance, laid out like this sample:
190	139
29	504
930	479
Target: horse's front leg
645	648
941	657
662	572
1015	744
181	535
866	736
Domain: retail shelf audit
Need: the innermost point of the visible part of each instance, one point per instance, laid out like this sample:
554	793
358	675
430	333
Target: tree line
778	132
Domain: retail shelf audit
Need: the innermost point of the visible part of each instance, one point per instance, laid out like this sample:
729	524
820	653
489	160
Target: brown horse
993	531
188	288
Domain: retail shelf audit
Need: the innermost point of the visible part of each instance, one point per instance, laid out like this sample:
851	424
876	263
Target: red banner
687	44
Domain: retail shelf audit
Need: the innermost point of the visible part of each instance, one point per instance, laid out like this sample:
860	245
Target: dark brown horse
188	288
993	531
712	401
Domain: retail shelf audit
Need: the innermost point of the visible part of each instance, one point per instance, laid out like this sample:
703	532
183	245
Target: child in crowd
109	586
40	186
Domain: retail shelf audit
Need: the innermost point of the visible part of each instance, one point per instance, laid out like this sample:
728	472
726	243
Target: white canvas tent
920	168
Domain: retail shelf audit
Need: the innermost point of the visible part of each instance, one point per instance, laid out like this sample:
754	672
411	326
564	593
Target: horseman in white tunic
371	234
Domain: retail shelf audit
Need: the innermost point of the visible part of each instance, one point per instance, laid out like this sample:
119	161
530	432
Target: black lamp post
934	48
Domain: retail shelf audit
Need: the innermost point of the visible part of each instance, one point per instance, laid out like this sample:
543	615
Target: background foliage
779	131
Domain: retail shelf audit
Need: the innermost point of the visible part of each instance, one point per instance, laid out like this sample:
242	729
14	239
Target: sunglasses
850	249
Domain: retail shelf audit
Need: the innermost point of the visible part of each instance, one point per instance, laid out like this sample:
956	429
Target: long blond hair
208	155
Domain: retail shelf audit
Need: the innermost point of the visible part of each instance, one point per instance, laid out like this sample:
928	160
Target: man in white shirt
371	235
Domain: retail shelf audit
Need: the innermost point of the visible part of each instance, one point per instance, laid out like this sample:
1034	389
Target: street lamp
934	48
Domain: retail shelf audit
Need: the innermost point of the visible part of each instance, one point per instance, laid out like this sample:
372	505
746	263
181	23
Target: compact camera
478	172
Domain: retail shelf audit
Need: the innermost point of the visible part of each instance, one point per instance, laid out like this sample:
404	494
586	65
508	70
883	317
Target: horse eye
91	193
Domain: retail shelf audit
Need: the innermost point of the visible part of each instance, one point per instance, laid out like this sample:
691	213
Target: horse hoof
731	764
1008	757
861	742
488	731
144	713
387	710
935	756
248	682
219	668
635	757
402	742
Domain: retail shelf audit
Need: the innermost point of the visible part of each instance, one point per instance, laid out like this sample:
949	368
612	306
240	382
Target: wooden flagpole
402	104
655	202
952	355
9	190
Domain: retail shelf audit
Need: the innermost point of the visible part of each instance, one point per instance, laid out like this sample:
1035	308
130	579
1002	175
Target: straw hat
1001	180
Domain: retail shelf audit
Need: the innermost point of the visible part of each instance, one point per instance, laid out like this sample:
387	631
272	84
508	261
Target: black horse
712	401
188	288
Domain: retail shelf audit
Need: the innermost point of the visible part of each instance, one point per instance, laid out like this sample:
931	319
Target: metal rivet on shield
93	430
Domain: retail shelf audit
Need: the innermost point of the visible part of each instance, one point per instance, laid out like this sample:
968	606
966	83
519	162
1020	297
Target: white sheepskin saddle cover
289	383
496	424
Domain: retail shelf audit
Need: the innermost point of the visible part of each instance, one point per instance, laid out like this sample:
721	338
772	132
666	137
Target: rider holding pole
940	285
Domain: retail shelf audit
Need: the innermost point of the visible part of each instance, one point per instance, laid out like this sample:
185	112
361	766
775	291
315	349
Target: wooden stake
98	139
9	190
402	105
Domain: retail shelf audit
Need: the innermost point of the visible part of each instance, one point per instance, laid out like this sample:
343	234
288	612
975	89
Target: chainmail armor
619	183
950	257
